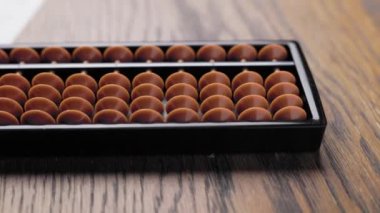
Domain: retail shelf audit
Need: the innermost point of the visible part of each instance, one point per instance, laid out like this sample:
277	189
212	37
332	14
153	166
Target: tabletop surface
341	42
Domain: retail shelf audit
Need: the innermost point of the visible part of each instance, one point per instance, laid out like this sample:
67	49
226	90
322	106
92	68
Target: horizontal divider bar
147	65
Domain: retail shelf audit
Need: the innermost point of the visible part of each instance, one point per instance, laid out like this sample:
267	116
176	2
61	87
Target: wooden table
342	45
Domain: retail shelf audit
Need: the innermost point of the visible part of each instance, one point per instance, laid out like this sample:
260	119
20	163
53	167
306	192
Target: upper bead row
146	53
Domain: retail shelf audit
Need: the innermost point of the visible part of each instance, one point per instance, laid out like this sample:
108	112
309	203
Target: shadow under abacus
284	162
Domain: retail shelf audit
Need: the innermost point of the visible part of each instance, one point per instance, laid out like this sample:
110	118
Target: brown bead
213	77
181	89
46	91
43	104
246	76
37	117
180	77
24	55
182	101
118	53
215	89
147	89
77	103
7	118
180	52
241	52
217	101
146	116
112	103
211	52
219	115
251	101
149	53
279	76
285	100
148	77
82	79
147	102
15	79
248	89
290	113
49	78
109	116
183	115
4	58
115	78
255	114
87	54
13	93
280	89
114	91
55	54
79	91
11	106
273	52
73	117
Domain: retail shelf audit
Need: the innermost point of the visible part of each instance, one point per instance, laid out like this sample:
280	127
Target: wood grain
342	46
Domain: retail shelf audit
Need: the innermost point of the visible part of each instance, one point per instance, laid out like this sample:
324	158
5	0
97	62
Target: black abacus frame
133	138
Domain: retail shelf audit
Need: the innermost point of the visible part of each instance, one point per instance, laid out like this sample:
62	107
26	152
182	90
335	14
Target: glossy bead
180	77
183	115
13	93
55	54
147	102
146	116
11	106
118	53
114	91
149	53
181	89
290	113
77	103
211	52
7	118
246	76
115	78
43	104
280	89
109	116
112	103
272	52
219	115
213	77
248	89
217	101
49	78
241	52
279	76
147	89
79	91
182	101
15	79
284	101
82	79
255	114
215	89
4	58
24	55
87	54
45	91
251	101
180	52
74	117
37	117
148	77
